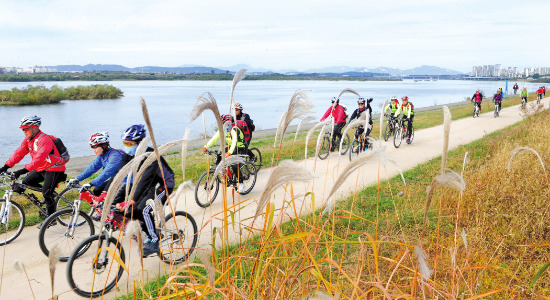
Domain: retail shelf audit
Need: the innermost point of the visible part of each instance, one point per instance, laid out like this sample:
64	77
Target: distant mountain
430	70
145	69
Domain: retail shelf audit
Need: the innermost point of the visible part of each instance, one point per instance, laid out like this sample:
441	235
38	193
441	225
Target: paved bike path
428	144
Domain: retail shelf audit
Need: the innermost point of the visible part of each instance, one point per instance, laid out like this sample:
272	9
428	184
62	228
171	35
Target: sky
276	35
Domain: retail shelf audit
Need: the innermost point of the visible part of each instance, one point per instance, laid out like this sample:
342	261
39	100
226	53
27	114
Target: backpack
244	128
63	152
345	111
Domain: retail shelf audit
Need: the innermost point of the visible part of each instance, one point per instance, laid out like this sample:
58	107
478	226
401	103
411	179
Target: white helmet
99	138
29	121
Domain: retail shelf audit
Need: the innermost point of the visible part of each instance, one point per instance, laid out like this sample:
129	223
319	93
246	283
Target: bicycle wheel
248	173
53	234
345	145
15	220
178	237
354	150
387	131
325	148
257	161
412	134
93	273
397	136
66	198
496	111
206	189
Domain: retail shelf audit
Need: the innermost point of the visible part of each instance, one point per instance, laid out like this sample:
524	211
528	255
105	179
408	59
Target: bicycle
208	186
326	145
390	126
523	102
477	108
497	110
94	273
400	133
256	160
539	98
358	145
12	215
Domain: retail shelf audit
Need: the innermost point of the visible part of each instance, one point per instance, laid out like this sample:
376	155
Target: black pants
478	104
236	169
144	212
524	98
337	133
409	125
51	179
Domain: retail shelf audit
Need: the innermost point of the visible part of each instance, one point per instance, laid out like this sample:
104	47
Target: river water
170	103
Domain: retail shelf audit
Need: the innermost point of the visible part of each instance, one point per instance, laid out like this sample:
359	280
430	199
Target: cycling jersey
337	113
393	107
524	93
110	162
234	139
44	154
407	110
497	97
477	97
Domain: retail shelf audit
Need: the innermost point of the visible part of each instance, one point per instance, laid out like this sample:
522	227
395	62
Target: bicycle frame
9	193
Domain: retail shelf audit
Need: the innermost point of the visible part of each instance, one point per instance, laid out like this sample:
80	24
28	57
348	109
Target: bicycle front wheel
12	221
397	136
412	134
496	111
257	160
248	173
178	237
325	148
345	145
354	150
53	234
66	198
207	189
92	272
387	131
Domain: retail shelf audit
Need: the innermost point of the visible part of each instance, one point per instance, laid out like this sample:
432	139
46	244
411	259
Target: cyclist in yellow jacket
393	106
408	115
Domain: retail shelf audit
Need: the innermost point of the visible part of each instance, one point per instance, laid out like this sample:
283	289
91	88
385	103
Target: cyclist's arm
146	179
113	163
409	113
398	111
18	155
213	139
353	115
327	113
234	138
91	169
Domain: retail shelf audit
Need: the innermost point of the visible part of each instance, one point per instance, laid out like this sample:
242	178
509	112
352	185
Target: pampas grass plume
133	230
351	91
310	132
518	150
53	259
446	130
307	119
206	258
382	118
423	266
463	234
279	129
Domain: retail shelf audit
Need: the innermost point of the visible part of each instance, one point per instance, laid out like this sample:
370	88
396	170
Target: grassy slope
502	213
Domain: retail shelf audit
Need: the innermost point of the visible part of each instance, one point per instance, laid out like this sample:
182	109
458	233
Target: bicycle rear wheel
387	131
248	173
206	189
397	136
178	237
53	234
496	111
257	160
412	134
354	150
14	222
66	198
92	273
325	148
345	144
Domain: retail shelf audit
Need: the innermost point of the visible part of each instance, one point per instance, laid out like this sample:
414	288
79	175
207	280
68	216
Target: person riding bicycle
357	113
524	94
46	164
235	144
151	185
107	158
337	112
408	115
516	87
393	106
240	115
539	93
477	98
497	99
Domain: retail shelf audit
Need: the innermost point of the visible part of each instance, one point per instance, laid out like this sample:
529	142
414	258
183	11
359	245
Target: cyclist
106	157
393	106
497	99
539	93
357	113
249	122
151	185
524	94
46	164
408	115
477	98
516	87
337	112
234	138
543	91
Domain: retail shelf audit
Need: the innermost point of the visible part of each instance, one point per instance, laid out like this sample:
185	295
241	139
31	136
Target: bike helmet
405	98
394	99
134	133
227	118
361	100
29	121
334	100
98	139
238	106
524	88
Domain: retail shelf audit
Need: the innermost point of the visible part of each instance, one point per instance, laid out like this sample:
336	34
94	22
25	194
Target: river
170	103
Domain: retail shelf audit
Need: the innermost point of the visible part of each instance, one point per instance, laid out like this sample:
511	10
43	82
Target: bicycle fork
5	209
74	218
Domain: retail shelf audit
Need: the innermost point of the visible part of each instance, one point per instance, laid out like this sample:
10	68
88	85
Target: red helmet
99	138
227	118
405	98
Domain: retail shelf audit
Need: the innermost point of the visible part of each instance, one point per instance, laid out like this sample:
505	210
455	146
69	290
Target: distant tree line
34	95
121	76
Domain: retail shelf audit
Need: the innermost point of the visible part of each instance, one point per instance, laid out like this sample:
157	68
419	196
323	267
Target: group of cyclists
47	169
477	98
339	114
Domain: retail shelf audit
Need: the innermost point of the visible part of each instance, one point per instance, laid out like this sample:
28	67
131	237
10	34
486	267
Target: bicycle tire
204	182
173	233
354	150
16	223
248	172
387	131
64	243
66	198
257	158
82	266
345	145
325	148
397	136
496	111
412	135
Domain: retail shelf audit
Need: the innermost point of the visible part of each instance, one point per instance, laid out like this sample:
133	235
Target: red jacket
539	91
40	148
337	113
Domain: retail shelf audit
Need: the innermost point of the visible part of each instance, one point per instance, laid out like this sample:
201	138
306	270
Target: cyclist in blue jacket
107	158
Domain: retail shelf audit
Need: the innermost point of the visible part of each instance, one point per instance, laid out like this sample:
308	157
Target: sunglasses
25	129
128	144
93	147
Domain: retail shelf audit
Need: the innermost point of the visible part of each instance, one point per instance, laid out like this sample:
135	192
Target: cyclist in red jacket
337	112
46	164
